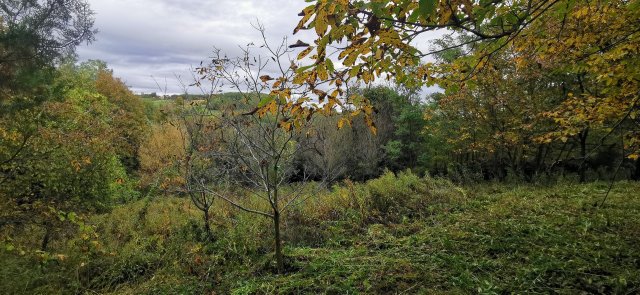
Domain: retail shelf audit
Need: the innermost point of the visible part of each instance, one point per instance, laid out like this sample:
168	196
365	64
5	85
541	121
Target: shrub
406	194
349	208
159	156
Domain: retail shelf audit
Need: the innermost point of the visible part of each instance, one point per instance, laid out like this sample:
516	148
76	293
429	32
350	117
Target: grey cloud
142	39
163	38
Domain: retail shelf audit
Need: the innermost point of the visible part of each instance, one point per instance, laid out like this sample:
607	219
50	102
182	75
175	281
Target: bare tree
243	150
330	148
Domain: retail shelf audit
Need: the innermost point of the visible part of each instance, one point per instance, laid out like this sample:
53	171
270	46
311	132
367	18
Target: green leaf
354	71
72	216
329	65
267	99
303	69
427	7
413	17
376	7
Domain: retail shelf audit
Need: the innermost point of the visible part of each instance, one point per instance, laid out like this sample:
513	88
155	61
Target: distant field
157	102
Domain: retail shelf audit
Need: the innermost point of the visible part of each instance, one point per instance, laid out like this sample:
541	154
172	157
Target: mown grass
394	235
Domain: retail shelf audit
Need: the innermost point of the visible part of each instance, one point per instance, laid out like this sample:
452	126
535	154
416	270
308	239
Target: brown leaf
298	43
265	78
251	112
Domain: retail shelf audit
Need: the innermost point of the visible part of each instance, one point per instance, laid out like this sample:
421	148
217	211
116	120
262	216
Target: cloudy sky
145	41
148	42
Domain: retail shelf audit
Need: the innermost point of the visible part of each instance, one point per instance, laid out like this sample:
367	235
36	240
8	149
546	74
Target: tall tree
599	39
67	163
34	34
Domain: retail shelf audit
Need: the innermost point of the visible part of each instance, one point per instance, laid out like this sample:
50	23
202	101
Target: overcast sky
160	38
149	41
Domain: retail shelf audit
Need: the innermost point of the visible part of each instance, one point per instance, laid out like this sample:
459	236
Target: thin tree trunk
207	227
637	173
537	161
279	256
583	155
276	225
45	240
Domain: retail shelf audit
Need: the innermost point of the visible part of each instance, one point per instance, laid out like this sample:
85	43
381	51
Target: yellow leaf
445	17
286	125
351	58
321	23
322	72
306	15
277	84
379	53
305	52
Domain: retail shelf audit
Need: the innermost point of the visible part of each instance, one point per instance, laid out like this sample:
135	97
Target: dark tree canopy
35	34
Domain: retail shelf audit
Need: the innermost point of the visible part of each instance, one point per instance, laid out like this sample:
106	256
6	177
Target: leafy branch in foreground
381	40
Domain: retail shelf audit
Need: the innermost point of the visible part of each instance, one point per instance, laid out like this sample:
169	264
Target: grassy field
393	235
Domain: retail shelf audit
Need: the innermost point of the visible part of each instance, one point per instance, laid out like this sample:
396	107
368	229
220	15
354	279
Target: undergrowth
399	234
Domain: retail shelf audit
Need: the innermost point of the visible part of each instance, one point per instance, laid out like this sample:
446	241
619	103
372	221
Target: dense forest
330	166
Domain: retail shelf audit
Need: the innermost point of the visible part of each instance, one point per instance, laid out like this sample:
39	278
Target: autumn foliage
516	76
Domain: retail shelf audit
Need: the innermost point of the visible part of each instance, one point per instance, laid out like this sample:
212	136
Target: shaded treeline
424	134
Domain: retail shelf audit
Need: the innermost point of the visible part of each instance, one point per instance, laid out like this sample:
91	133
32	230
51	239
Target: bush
349	208
159	156
406	194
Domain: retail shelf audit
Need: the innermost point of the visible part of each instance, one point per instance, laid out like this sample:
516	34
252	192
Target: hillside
394	235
